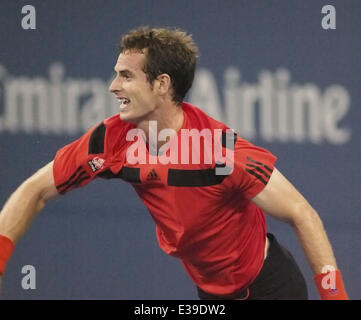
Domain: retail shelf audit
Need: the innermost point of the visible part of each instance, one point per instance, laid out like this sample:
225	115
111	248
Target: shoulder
108	134
197	118
115	124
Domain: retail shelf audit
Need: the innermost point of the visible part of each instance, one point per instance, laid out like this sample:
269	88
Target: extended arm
23	205
28	200
281	200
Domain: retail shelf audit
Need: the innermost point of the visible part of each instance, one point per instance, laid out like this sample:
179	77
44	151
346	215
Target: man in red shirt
206	196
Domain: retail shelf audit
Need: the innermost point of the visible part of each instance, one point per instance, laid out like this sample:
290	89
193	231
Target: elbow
305	216
34	194
32	190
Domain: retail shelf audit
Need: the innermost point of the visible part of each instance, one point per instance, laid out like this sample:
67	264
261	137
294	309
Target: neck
165	117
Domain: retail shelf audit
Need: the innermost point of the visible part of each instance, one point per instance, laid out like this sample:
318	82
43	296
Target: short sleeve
253	167
77	164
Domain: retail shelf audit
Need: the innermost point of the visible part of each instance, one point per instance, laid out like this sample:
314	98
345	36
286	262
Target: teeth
123	100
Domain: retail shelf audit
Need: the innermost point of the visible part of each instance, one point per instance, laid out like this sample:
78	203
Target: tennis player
209	207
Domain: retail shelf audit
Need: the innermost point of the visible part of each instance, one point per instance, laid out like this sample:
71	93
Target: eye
126	75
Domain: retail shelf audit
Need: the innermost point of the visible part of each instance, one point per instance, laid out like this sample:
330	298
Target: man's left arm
281	200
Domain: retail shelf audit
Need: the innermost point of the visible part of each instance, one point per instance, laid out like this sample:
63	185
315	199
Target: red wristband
6	249
330	286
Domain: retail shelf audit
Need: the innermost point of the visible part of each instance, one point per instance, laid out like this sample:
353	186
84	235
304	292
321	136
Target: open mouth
123	102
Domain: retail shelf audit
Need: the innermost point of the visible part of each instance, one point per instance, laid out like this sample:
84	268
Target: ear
163	84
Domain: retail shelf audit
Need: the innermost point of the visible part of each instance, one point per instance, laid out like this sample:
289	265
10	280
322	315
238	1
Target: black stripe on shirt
108	174
80	178
128	174
195	178
257	176
260	163
231	138
70	179
131	175
258	169
96	140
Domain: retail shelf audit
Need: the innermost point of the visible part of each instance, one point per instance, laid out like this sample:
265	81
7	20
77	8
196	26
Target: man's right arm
72	168
24	204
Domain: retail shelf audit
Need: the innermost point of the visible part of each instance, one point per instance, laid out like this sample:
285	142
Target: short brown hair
168	50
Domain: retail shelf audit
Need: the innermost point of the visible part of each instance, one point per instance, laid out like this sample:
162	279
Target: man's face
135	94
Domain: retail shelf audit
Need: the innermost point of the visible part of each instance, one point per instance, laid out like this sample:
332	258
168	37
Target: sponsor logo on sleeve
96	163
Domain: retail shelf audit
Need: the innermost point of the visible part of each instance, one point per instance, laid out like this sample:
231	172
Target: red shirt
206	220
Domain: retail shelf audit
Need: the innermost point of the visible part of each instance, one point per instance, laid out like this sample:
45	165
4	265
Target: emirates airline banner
284	75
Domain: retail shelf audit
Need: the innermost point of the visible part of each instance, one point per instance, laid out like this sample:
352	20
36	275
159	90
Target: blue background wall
98	242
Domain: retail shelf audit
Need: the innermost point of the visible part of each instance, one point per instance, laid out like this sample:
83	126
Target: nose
116	85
